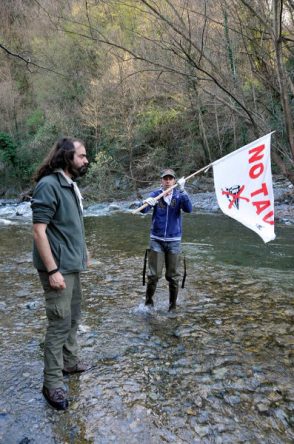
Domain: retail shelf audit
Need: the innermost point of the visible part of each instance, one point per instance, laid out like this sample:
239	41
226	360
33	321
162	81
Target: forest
145	84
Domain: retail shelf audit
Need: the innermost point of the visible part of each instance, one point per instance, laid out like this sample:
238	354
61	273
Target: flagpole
206	168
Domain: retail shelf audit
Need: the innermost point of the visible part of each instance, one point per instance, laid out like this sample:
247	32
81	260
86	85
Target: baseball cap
168	172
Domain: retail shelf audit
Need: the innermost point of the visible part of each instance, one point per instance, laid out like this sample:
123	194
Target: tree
147	81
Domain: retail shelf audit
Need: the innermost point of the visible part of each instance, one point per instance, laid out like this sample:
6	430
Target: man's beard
77	172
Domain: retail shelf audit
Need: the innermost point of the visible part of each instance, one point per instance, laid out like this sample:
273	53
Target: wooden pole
137	210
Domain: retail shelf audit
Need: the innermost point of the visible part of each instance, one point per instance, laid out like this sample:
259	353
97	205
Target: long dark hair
60	156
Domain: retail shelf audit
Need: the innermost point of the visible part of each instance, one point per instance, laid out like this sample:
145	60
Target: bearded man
59	255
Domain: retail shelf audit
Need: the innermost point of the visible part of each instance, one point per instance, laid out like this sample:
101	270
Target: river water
218	370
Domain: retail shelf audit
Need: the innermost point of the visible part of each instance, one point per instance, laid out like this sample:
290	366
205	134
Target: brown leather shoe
79	367
55	397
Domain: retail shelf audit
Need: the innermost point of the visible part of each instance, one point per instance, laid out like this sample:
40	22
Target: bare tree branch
29	63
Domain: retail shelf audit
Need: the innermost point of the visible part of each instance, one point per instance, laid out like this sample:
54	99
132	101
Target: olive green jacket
55	203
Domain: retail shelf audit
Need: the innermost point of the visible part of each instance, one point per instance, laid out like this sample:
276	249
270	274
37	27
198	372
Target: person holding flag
166	234
244	191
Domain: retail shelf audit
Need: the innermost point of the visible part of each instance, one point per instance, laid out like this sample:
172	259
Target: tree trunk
282	77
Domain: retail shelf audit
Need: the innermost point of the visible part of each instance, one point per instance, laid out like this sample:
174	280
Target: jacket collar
62	179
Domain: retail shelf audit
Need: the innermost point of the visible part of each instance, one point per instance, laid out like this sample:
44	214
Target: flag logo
234	195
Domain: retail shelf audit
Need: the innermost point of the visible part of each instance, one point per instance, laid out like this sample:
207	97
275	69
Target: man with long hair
60	254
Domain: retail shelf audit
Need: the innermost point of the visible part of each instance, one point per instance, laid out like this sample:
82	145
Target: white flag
243	186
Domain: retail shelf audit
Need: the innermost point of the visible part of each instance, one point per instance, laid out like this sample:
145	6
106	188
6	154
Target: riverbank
201	192
203	197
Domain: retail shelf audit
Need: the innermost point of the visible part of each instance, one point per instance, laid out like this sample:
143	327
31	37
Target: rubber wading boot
150	290
173	294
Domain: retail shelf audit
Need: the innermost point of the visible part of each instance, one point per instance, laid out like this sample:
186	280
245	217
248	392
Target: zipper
166	221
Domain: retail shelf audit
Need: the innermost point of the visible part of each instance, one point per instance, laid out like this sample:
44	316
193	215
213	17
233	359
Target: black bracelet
53	271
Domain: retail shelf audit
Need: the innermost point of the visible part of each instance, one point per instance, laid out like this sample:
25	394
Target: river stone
153	396
219	373
282	416
232	399
202	430
22	293
32	305
263	407
114	207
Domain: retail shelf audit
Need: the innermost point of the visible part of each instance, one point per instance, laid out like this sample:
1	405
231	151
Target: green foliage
150	120
290	67
33	150
35	121
7	149
145	108
101	174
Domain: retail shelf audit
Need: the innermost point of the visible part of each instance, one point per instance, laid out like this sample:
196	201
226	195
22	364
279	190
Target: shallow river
219	370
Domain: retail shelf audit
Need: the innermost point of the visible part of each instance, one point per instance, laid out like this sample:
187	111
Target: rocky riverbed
201	192
217	371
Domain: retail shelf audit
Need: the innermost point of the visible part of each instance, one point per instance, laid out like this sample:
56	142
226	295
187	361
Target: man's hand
181	183
56	281
150	201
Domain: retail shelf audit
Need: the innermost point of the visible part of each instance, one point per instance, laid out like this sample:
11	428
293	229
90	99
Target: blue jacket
167	219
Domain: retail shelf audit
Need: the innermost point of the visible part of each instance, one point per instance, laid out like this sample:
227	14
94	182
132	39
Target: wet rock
285	341
22	293
153	396
275	397
223	428
202	183
32	305
134	205
192	412
202	431
232	399
220	373
282	416
6	222
198	401
263	407
203	418
25	441
114	207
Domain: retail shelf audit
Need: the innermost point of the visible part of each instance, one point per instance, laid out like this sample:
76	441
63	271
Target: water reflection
219	370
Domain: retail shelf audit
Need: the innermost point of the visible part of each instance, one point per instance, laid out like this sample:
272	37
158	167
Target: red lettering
265	219
263	190
261	205
256	153
256	170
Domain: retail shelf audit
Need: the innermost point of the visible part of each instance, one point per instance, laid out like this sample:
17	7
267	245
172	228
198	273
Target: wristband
53	271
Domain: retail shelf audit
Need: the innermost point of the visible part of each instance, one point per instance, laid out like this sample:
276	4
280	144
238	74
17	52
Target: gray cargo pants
63	310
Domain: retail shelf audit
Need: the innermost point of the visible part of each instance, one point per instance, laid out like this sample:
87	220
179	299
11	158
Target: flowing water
218	370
